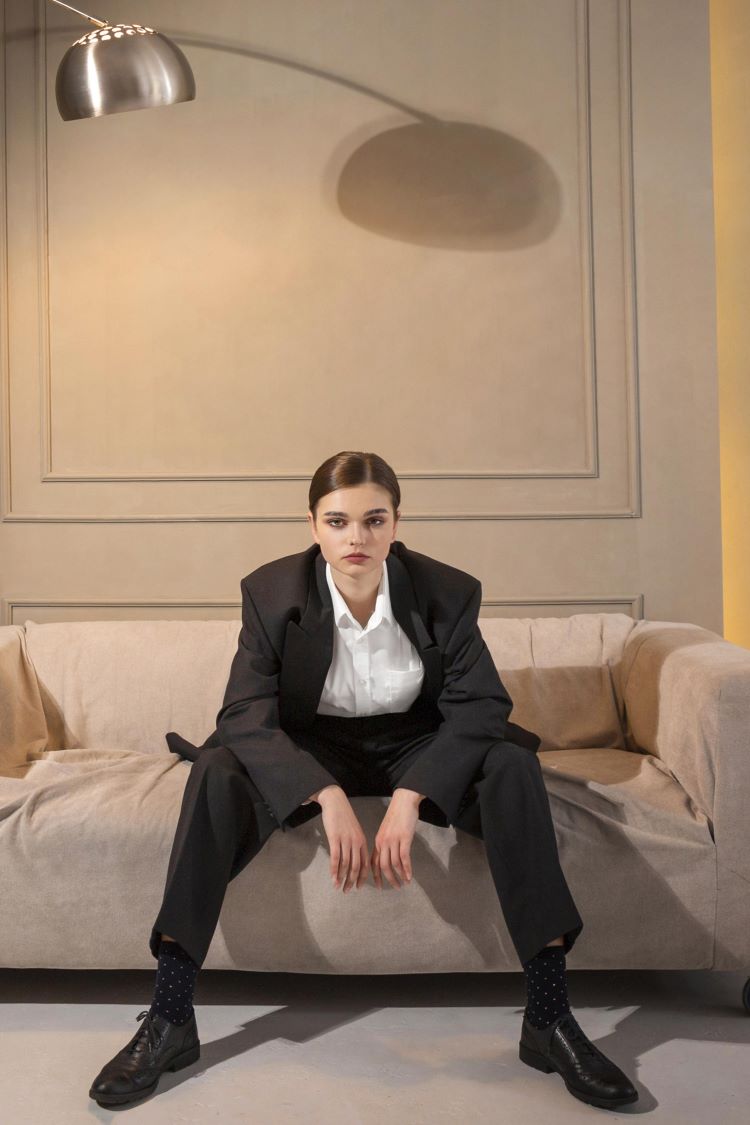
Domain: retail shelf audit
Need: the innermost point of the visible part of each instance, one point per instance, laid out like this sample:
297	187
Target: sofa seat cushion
626	826
88	835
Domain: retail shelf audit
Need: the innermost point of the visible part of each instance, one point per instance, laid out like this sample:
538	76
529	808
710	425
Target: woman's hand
346	840
391	853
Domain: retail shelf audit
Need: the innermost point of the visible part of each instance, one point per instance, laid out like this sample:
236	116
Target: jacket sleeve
248	722
475	707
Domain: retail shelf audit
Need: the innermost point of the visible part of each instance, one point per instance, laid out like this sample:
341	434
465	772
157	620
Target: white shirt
374	669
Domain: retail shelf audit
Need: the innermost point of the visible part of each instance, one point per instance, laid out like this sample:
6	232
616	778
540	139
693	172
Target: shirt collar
382	611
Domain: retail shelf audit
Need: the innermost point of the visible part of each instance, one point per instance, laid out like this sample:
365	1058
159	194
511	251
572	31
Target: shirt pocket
404	685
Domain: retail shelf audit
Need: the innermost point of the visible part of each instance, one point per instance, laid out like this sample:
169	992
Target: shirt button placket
359	683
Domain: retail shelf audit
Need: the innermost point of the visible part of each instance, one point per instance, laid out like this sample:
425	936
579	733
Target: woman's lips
355	556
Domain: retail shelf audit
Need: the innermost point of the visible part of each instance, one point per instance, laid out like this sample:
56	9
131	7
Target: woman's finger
345	863
398	865
353	867
386	866
335	860
404	850
375	861
364	865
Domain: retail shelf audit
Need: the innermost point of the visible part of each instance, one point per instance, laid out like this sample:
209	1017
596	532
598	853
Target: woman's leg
223	823
508	808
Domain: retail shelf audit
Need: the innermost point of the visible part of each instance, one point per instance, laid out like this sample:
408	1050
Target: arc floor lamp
119	67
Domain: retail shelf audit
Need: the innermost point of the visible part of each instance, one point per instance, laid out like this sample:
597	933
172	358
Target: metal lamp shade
120	67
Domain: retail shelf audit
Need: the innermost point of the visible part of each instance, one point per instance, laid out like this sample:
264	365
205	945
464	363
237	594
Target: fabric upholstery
687	696
22	724
645	755
124	684
559	674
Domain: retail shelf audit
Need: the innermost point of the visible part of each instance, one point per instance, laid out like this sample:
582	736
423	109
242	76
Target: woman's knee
504	755
219	766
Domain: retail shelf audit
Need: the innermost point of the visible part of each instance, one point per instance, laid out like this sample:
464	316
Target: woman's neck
360	601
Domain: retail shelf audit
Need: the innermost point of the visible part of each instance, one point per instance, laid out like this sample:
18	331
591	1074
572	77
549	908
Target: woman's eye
333	523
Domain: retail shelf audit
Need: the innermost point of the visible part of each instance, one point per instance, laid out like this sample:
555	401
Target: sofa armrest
686	693
23	726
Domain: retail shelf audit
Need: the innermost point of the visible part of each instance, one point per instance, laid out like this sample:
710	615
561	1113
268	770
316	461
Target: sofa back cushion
23	729
124	684
121	685
562	674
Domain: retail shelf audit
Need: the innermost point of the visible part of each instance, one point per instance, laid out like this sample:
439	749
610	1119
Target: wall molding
13	607
295	517
633	507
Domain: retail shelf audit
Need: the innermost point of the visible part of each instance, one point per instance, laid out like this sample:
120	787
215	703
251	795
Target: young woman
361	669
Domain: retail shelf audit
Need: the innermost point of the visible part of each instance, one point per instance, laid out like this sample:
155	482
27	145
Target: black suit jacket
285	650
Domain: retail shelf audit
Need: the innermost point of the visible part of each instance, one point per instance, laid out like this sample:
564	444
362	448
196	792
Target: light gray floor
282	1048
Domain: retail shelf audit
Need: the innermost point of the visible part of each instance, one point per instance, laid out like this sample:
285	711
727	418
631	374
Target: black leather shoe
134	1072
587	1073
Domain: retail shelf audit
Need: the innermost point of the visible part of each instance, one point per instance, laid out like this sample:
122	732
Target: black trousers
224	823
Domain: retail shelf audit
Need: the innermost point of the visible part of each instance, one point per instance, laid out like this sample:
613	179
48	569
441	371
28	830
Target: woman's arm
475	707
248	722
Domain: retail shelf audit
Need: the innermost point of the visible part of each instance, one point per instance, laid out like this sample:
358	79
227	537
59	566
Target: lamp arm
91	19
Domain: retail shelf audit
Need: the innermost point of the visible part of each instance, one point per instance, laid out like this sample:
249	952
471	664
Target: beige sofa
645	750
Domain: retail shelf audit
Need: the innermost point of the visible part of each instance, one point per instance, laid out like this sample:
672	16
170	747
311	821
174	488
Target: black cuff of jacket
312	778
447	797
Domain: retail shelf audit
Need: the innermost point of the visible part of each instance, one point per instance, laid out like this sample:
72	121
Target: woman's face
355	520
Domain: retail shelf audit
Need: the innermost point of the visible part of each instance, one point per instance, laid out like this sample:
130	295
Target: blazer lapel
406	612
308	648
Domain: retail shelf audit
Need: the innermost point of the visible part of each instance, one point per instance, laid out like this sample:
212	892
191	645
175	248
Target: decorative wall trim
5	457
632	604
416	517
632	509
583	101
13	608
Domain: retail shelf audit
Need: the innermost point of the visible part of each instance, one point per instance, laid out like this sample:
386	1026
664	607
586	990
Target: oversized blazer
285	649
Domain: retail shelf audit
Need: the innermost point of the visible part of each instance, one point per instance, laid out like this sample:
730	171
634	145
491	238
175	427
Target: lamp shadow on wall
449	184
434	182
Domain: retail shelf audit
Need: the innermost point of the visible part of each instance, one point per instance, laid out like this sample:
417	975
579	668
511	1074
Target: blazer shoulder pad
282	581
426	569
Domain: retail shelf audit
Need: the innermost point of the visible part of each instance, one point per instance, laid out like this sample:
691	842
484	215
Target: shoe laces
576	1035
151	1033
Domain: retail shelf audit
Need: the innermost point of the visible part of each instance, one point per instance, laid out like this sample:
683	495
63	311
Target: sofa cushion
562	674
124	684
22	724
90	833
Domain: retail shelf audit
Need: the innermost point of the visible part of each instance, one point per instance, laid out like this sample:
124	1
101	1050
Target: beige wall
476	237
730	78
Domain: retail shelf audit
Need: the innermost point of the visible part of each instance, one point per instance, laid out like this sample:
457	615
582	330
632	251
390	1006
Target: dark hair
347	469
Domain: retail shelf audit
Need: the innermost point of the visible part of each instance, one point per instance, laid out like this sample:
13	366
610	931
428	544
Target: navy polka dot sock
175	980
546	986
